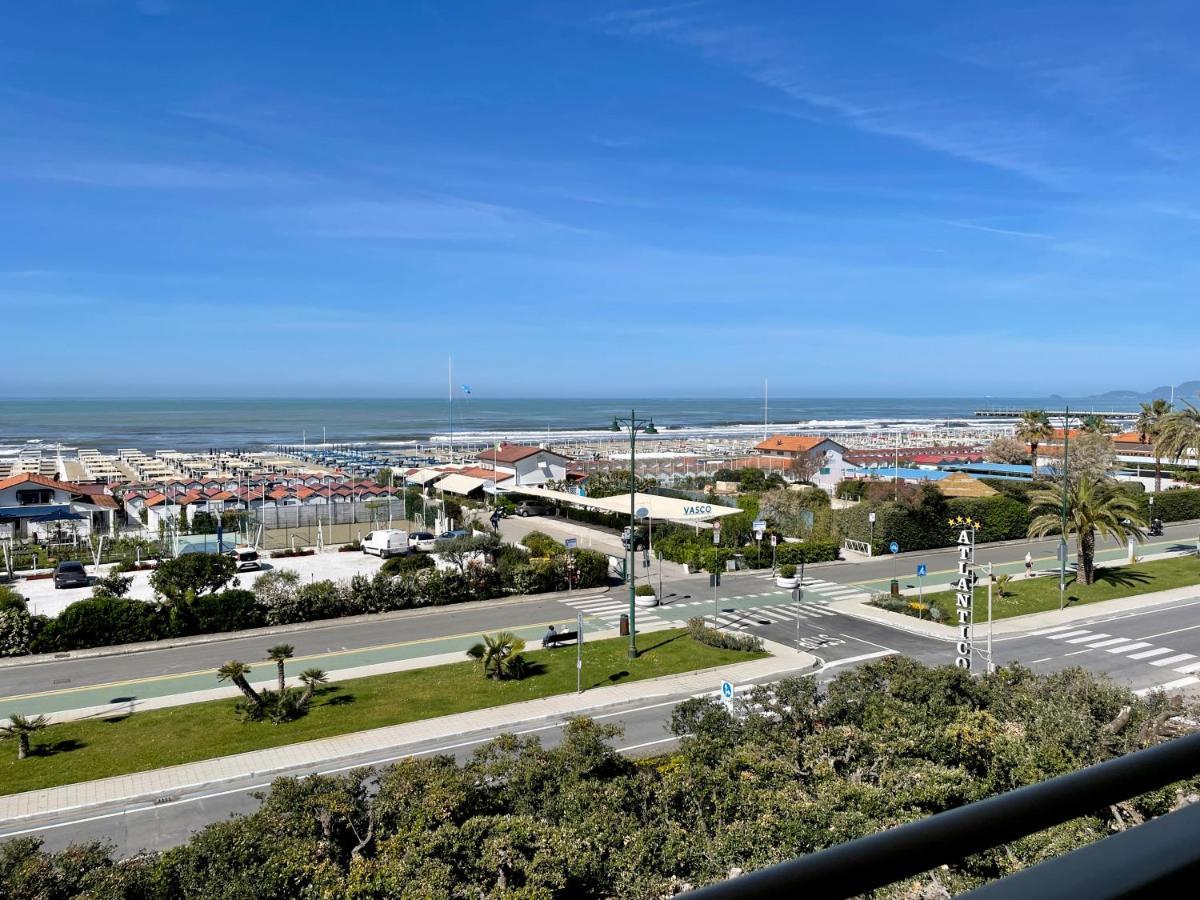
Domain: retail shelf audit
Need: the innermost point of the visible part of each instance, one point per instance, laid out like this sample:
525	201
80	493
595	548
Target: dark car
530	508
69	574
640	539
452	535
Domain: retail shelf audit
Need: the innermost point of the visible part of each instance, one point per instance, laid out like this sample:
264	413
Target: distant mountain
1186	391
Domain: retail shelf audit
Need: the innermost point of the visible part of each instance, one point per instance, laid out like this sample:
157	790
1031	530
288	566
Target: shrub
234	610
318	600
276	592
407	564
644	590
807	552
787	570
540	544
193	574
114	584
702	633
381	593
17	631
1175	505
850	489
10	599
101	621
591	568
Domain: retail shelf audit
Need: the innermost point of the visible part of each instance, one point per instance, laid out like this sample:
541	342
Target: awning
460	484
423	477
668	509
43	513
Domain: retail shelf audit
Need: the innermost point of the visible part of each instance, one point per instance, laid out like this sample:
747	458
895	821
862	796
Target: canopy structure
667	509
423	476
460	484
38	514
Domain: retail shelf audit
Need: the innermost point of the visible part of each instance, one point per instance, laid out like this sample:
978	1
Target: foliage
787	570
614	482
1093	506
407	564
112	584
10	599
183	579
713	637
232	610
1090	456
99	621
20	728
1033	428
500	655
850	489
18	630
1005	449
541	544
644	590
1174	505
462	552
1179	433
807	552
792	512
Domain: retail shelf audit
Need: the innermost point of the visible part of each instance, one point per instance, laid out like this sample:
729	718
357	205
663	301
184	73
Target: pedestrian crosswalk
1130	648
831	589
610	608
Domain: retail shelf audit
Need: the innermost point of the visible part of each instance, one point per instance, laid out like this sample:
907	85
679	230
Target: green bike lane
134	690
939	579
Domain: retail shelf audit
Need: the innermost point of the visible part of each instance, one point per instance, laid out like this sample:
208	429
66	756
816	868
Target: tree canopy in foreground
889	742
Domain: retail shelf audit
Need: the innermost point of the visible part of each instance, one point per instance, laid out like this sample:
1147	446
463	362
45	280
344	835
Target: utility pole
1062	547
634	424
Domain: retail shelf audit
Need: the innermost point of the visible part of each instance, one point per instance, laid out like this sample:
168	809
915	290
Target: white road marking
1051	630
1086	640
1110	642
1169	686
1138	645
1190	667
1059	637
1146	654
1171	660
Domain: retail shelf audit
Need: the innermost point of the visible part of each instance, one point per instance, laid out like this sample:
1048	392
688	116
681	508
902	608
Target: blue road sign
571	543
894	547
921	570
727	691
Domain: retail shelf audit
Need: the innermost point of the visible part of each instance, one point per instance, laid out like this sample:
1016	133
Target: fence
862	547
334	523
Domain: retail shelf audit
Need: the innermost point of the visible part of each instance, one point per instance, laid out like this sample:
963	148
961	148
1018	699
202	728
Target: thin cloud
153	175
990	229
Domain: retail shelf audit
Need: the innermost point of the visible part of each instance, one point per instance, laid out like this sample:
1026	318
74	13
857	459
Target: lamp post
1062	547
634	424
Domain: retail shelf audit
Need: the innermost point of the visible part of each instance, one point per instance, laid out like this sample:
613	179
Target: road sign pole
921	595
579	653
991	666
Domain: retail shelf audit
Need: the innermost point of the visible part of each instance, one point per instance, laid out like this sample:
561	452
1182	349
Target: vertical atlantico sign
964	589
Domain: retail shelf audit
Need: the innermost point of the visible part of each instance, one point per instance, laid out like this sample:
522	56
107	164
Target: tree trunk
282	681
1157	473
306	697
1087	556
252	695
22	745
1033	445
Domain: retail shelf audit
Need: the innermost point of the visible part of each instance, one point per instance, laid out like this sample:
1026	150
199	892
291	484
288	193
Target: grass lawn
1041	593
82	751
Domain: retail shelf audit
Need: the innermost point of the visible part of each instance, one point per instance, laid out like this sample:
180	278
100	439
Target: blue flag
466	389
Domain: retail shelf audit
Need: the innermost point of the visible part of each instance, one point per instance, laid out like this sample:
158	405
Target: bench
560	637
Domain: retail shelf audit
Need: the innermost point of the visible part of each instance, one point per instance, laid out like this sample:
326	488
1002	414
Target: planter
644	601
788	583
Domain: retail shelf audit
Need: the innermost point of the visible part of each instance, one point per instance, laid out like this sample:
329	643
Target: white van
389	542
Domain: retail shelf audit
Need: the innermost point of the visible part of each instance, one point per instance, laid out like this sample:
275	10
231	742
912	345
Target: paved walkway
311	753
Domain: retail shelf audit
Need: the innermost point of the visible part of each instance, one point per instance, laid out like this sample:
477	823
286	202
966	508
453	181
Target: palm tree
1093	505
1179	433
1034	427
236	671
1149	424
310	678
496	652
280	654
20	727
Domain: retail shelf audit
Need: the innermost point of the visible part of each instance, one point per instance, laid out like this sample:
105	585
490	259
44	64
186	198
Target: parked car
533	508
386	542
422	540
640	539
247	559
69	574
451	535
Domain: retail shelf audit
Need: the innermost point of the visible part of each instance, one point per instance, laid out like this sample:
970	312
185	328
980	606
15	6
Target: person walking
1028	565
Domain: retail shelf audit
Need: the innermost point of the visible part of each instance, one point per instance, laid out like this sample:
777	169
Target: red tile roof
511	453
42	480
789	443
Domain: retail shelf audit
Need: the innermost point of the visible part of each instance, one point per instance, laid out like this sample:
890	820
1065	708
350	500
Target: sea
256	424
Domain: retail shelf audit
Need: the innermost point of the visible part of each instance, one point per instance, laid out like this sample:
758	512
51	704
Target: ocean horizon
150	424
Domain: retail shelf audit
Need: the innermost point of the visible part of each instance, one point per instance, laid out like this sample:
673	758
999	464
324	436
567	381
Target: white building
33	505
826	458
518	465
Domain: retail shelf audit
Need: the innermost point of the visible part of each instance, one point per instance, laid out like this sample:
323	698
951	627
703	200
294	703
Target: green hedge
922	524
807	552
1173	506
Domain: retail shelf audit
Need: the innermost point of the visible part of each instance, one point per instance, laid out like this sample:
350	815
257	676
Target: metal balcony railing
1160	857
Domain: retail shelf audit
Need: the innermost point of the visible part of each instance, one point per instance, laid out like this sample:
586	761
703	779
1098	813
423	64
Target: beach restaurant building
37	506
827	457
520	465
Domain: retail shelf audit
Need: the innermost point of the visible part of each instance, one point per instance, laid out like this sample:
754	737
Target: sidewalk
124	788
860	609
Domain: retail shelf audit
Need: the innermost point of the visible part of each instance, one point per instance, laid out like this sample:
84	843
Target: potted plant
644	596
786	576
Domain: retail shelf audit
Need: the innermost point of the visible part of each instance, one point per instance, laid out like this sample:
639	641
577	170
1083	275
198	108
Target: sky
201	197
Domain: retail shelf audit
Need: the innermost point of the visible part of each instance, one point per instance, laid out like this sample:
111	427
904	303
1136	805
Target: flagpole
450	400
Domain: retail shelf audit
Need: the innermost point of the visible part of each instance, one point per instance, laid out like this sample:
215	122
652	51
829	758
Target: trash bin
624	624
895	588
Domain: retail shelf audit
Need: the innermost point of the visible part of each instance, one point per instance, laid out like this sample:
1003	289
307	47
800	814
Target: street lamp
634	424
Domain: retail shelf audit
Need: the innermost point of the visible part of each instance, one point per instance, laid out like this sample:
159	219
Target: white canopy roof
423	476
673	509
460	484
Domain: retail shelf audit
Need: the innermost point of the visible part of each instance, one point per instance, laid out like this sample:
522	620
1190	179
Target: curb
315	625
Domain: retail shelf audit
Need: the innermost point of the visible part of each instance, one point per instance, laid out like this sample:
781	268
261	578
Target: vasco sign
702	509
964	590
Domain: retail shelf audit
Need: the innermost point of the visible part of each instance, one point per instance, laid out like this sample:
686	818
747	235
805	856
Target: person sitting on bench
551	637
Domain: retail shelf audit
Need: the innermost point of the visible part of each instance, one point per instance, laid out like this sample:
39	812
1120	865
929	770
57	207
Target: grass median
1040	594
86	750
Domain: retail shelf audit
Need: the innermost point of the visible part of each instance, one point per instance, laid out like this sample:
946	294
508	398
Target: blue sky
881	199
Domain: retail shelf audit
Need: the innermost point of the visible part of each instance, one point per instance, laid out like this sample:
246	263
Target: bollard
624	625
